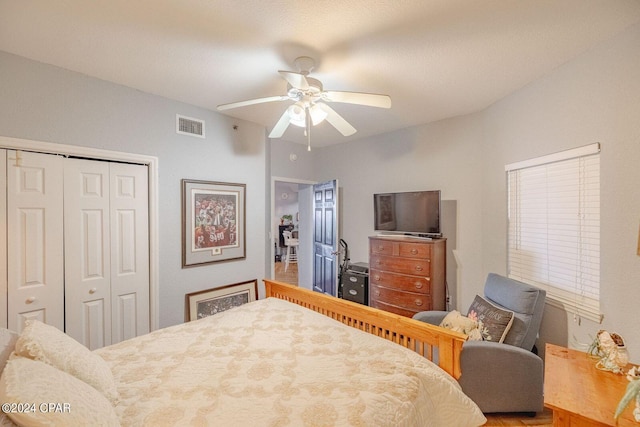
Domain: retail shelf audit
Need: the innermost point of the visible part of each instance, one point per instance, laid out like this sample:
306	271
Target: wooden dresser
407	274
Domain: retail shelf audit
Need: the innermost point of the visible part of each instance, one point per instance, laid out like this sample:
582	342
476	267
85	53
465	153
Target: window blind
554	227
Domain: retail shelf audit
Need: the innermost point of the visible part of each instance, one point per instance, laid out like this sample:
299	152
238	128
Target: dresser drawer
402	282
407	300
381	247
414	250
400	265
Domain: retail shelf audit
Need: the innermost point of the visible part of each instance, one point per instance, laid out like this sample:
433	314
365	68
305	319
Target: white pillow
7	344
50	345
38	384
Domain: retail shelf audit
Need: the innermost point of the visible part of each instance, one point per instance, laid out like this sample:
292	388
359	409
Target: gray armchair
505	377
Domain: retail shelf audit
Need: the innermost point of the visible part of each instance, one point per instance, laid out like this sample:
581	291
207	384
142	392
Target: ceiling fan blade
360	98
336	120
223	107
296	80
281	126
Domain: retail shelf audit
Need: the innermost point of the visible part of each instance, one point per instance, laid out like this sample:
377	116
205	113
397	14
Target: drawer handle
418	302
378	262
30	300
418	285
377	293
418	268
414	251
380	248
377	277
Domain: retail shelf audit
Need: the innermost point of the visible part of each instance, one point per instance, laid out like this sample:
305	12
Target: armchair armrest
502	377
432	317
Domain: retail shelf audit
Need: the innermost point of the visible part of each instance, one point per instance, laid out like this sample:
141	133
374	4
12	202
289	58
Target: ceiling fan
309	107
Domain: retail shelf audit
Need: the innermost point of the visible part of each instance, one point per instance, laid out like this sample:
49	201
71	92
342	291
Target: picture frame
206	303
213	222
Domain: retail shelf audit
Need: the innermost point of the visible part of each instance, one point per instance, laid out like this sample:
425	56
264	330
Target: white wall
594	98
46	103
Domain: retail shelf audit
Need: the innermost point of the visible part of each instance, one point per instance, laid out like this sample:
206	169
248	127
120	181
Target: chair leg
288	256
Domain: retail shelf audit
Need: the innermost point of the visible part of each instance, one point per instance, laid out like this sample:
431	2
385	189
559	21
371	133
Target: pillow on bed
27	381
7	344
50	345
496	321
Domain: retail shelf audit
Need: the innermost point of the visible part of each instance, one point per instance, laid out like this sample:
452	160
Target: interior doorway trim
273	230
99	154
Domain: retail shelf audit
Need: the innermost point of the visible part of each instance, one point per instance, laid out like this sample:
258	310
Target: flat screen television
412	212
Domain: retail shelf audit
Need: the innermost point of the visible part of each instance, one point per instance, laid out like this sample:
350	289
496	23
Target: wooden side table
580	394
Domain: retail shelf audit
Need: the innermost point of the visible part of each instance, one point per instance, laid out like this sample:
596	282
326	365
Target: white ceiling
435	58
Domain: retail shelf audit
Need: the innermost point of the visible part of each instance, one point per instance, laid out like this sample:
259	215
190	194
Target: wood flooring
542	419
290	276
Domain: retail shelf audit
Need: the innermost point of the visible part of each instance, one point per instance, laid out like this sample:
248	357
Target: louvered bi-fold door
35	263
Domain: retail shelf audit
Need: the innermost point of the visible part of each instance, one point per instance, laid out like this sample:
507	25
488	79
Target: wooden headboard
418	336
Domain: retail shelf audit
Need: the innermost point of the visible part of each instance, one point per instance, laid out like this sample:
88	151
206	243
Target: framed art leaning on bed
212	301
213	222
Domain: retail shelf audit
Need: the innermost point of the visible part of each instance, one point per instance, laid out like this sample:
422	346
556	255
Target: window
554	227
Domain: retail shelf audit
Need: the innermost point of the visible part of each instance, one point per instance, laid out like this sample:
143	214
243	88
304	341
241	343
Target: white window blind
554	227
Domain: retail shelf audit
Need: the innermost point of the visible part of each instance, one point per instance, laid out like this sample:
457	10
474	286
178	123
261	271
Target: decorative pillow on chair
50	345
495	321
458	323
39	385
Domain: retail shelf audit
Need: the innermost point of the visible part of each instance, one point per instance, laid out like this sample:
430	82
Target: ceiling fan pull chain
308	128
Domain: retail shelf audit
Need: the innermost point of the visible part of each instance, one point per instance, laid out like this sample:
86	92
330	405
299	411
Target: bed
295	358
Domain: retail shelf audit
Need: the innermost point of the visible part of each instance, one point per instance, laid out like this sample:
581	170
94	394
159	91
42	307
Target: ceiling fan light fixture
297	114
317	114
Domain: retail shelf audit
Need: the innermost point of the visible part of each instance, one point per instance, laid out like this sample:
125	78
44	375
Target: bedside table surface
580	394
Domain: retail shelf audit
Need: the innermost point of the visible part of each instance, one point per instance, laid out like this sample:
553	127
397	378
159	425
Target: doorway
291	211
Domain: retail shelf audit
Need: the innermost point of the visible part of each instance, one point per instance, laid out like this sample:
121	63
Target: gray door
325	237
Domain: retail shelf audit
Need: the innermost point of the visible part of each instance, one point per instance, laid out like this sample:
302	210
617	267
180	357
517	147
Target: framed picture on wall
212	301
213	222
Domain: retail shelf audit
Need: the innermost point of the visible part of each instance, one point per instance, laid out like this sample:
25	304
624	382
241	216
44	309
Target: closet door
106	251
35	263
129	206
87	260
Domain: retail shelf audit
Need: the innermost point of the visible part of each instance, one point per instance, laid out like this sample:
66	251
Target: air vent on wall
189	126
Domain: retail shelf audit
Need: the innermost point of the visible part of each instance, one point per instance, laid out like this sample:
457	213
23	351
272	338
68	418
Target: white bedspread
273	363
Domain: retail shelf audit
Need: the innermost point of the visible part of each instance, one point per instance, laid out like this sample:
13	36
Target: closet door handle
30	300
93	290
